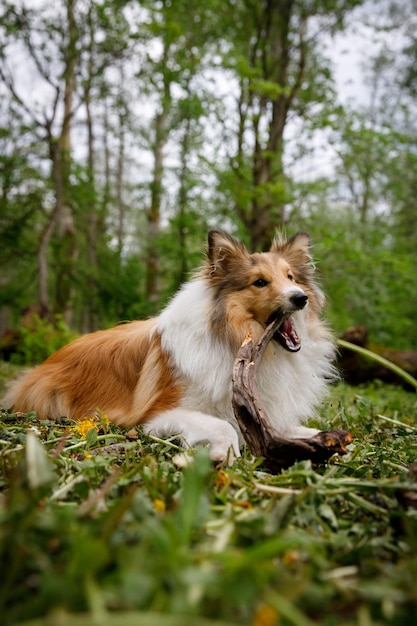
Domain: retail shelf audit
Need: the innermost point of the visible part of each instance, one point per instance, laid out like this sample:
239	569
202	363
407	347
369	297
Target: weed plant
115	528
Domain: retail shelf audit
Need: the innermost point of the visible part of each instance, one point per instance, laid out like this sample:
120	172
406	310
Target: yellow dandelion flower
221	479
85	425
159	505
245	504
265	615
290	557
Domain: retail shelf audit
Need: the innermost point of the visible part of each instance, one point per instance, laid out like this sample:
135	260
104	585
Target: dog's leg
303	432
196	428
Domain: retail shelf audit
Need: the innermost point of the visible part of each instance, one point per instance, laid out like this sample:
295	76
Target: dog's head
254	289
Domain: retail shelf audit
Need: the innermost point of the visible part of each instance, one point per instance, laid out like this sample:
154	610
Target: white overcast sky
348	51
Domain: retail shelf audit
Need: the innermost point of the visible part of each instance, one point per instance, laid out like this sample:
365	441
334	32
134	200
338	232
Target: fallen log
278	451
360	360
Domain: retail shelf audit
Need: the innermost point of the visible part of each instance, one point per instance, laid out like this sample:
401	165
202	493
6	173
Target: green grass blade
379	359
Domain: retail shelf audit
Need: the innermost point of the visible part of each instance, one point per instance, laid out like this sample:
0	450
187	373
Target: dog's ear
298	246
223	251
297	251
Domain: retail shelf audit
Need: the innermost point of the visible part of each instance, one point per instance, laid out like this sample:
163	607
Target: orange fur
240	305
105	370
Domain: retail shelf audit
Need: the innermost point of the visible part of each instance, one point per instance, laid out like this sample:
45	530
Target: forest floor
107	528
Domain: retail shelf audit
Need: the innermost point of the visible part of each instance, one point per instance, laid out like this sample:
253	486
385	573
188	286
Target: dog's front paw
224	444
220	455
335	440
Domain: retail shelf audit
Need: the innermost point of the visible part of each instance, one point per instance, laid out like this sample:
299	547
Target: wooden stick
262	438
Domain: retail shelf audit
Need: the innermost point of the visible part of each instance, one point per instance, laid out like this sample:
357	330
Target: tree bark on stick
262	438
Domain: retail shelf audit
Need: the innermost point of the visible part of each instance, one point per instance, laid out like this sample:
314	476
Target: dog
173	373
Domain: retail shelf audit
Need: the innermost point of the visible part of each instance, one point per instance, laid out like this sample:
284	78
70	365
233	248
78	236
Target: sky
348	51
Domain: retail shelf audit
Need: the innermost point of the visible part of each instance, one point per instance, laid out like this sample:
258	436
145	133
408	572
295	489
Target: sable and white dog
173	373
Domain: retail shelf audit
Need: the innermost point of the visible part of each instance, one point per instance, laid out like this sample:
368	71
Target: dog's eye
261	282
290	276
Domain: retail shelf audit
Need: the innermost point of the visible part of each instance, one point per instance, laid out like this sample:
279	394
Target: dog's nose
299	300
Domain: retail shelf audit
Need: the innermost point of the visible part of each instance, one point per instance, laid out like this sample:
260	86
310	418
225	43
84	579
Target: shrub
39	339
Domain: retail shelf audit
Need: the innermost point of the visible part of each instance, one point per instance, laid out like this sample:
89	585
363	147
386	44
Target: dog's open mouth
286	334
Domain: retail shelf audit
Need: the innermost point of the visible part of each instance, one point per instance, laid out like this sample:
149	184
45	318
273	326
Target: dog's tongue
287	336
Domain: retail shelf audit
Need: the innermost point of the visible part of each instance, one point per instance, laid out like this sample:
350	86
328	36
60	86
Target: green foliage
112	530
247	91
39	339
363	273
119	288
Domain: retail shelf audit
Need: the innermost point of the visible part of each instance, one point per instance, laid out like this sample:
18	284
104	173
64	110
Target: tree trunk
182	204
154	214
267	94
121	207
54	218
90	318
67	245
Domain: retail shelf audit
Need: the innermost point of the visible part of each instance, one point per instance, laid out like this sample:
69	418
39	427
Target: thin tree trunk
107	168
153	277
68	249
54	219
90	321
182	203
154	213
121	207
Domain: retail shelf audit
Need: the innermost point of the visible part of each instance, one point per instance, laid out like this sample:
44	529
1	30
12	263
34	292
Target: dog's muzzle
286	335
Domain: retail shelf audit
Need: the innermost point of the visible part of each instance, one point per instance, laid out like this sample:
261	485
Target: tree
68	49
149	123
26	27
182	31
280	74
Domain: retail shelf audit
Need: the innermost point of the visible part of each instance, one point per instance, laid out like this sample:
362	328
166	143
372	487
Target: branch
8	81
262	438
37	61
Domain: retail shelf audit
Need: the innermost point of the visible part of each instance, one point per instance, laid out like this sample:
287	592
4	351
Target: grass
104	527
